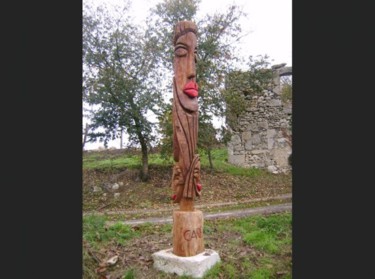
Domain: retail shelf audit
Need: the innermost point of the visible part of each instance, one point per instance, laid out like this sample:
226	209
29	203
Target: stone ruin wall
262	138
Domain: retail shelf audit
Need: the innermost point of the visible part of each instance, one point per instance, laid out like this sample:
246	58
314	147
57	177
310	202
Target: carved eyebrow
180	45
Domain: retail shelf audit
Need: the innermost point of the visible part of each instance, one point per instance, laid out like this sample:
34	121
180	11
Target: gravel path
211	205
221	215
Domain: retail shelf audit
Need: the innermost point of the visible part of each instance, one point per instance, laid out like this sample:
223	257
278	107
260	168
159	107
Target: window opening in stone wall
286	87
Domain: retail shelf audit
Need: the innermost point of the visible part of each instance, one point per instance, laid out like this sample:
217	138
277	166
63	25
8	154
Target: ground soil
155	196
156	193
136	254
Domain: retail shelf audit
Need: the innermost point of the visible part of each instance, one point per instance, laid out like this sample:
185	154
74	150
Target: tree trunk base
187	233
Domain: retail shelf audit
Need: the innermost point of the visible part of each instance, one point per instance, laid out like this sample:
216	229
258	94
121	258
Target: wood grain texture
187	222
187	233
186	171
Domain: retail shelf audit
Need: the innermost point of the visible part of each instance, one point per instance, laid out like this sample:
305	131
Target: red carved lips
191	89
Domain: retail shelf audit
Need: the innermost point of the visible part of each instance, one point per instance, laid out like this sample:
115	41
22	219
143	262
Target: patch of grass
131	161
251	172
260	273
230	271
286	276
166	228
90	157
213	272
158	160
262	241
129	274
268	254
268	233
237	260
220	162
276	224
207	229
96	232
148	228
95	161
220	269
88	264
247	264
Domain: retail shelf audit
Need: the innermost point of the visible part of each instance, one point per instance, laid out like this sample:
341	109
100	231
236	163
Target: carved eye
180	51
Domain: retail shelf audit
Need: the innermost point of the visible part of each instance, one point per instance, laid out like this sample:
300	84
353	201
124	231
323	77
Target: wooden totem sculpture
187	222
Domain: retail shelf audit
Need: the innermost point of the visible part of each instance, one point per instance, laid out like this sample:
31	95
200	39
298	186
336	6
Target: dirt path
221	215
210	205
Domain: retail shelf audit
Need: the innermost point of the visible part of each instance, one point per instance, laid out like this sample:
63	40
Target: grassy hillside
253	247
227	183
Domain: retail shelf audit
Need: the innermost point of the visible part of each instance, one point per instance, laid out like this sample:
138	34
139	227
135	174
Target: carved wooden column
187	222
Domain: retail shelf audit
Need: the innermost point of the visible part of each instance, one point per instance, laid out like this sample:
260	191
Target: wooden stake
187	233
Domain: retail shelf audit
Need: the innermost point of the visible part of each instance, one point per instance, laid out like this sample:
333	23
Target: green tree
207	139
166	130
119	79
218	35
242	85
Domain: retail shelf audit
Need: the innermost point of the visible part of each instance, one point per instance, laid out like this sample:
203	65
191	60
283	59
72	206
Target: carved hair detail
182	28
186	173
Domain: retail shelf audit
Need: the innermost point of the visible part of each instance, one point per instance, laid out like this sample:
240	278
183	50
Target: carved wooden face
185	58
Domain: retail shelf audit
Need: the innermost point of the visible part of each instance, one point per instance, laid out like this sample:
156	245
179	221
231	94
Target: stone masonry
262	137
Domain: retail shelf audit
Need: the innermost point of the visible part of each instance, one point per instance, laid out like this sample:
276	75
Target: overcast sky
268	22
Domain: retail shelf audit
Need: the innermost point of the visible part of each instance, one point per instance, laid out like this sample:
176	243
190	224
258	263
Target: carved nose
191	69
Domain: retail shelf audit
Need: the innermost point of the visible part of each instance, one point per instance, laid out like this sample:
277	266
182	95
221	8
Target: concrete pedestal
194	266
